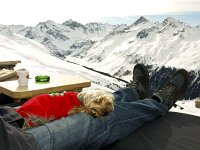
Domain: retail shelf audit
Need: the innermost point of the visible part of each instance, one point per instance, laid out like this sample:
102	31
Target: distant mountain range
163	46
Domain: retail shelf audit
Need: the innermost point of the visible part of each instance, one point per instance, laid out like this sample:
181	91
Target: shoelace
135	81
168	93
134	84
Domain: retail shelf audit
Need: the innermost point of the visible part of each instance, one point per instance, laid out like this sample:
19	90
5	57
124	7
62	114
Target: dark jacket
12	137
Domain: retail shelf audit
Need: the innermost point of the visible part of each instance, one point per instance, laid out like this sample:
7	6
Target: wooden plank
9	64
2	63
6	74
197	103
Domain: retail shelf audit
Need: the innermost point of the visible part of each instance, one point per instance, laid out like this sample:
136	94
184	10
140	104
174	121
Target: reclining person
133	108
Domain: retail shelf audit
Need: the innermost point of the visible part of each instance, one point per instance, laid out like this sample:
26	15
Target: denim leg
127	94
127	117
82	131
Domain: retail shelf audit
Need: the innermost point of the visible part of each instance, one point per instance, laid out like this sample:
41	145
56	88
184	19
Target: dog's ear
101	107
109	106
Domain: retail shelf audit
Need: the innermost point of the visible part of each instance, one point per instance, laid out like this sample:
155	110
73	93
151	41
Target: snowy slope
168	43
62	39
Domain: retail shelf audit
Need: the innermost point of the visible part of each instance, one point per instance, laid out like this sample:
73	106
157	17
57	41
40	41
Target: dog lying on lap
45	107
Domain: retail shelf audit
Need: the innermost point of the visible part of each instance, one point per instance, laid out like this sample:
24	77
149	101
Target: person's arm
11	136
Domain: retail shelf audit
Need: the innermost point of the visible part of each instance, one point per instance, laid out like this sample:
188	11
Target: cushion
175	131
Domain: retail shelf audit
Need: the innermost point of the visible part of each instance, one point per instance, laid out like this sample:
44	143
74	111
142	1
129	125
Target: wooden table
56	84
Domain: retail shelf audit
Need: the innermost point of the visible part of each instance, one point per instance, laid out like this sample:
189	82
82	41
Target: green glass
42	78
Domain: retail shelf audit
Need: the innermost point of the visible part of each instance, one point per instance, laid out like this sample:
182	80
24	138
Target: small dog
97	103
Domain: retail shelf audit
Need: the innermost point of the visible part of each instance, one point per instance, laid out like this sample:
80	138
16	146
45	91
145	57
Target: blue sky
191	18
31	12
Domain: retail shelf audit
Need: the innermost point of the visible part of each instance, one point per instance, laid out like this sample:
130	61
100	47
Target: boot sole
185	74
144	71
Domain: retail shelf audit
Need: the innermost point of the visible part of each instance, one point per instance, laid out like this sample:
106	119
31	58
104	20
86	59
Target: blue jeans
82	131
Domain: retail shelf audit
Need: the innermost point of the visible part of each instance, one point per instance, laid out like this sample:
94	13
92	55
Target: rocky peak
45	25
47	22
73	24
171	21
93	24
140	20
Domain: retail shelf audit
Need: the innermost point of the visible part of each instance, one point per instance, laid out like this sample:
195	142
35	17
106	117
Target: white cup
23	76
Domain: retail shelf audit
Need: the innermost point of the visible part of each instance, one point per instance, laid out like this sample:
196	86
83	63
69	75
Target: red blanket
48	106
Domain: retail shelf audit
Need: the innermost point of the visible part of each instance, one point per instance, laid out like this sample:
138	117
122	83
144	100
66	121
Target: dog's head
97	103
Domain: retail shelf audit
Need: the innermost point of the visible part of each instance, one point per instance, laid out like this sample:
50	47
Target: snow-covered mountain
62	39
115	49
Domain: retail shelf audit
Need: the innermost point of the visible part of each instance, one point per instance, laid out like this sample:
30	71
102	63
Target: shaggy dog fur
97	103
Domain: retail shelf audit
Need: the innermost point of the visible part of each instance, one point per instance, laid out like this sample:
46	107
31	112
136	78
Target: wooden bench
8	64
197	103
6	75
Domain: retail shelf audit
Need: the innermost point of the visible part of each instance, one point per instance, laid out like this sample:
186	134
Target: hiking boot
174	89
140	81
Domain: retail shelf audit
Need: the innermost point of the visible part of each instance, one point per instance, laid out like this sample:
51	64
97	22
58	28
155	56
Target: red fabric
48	106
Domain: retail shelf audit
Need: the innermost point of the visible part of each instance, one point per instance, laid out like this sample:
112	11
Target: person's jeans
82	131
